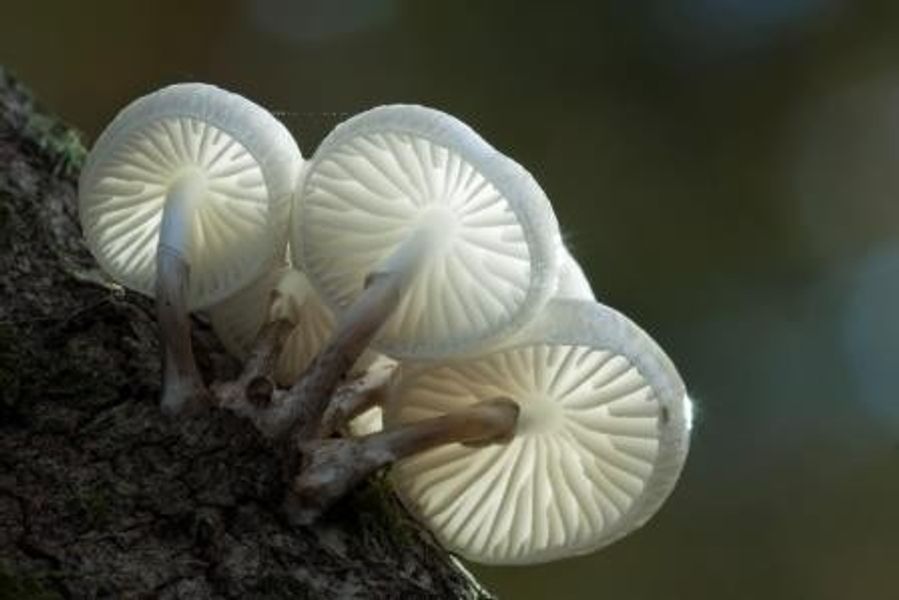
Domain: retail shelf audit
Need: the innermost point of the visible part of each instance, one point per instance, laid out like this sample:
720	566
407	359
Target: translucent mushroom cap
601	439
573	283
242	159
238	320
368	422
392	171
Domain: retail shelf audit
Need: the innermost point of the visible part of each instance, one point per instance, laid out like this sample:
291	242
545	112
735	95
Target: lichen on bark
100	494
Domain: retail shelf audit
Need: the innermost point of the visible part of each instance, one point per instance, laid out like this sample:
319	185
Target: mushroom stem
405	261
332	467
355	397
251	393
182	384
176	227
308	399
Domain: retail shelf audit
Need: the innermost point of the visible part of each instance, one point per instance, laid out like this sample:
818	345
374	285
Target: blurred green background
727	171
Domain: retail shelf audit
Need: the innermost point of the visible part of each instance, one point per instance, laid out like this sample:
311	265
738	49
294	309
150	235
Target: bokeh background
727	172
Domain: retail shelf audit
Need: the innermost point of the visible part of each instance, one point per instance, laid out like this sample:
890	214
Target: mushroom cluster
401	298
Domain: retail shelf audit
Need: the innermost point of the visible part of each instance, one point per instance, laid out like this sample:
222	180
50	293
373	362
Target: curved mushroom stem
183	387
332	467
308	399
355	397
251	394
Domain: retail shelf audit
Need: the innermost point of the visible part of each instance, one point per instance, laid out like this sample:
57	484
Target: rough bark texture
100	494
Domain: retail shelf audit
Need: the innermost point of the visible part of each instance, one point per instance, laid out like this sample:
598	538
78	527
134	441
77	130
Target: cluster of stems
304	418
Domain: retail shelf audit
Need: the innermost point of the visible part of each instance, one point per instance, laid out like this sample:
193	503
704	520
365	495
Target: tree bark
103	496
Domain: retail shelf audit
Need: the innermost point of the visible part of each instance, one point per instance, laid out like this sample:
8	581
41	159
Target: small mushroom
600	440
282	293
368	421
185	196
418	232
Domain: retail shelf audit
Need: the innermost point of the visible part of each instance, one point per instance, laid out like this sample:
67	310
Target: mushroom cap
377	178
367	422
600	442
238	319
248	164
573	283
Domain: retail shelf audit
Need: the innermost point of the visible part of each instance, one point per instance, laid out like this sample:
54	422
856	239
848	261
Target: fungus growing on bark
185	196
527	429
282	293
421	236
600	440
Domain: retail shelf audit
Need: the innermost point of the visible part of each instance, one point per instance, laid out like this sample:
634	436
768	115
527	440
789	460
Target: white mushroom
185	196
415	229
283	292
369	421
573	283
600	440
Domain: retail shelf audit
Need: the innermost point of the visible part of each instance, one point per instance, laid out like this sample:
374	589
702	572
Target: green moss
22	587
58	141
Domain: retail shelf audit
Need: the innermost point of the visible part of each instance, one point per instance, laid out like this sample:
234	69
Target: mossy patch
53	138
56	140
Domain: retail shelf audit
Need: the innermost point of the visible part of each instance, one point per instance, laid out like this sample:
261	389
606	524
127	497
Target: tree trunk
100	494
